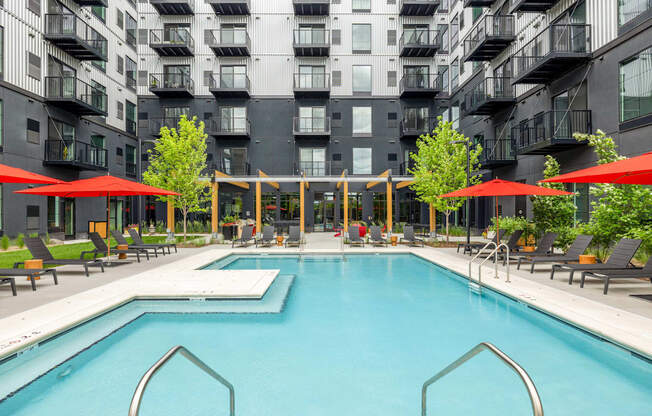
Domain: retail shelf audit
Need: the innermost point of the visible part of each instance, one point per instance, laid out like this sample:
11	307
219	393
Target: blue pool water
354	337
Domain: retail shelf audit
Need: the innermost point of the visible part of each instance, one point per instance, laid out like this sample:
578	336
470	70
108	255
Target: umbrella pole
497	225
108	224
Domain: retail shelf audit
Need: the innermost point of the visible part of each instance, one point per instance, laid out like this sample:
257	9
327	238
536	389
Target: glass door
312	119
233	119
561	124
312	76
417	76
416	34
233	76
312	161
69	217
176	76
318	208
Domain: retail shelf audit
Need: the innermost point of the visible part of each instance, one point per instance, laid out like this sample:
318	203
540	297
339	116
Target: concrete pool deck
52	309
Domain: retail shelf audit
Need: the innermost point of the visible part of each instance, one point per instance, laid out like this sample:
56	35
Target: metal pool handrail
142	385
476	256
537	407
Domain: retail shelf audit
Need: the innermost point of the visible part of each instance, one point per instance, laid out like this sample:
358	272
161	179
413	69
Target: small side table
394	240
587	259
122	256
279	240
34	264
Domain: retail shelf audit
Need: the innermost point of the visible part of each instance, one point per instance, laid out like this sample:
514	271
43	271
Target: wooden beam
170	216
306	182
433	218
264	175
341	176
403	184
346	206
382	175
389	206
215	214
259	216
243	185
302	200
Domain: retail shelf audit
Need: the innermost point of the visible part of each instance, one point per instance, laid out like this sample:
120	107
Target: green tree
616	209
440	167
552	212
176	164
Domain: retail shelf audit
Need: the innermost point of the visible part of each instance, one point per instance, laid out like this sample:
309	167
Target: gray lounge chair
512	244
376	237
294	236
354	237
478	246
8	276
619	259
626	273
141	244
102	248
246	237
39	250
267	239
578	247
121	240
409	237
544	248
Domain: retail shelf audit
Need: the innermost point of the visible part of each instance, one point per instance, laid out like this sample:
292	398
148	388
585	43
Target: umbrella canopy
633	171
10	174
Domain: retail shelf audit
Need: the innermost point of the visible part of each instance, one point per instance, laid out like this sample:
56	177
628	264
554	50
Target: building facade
316	88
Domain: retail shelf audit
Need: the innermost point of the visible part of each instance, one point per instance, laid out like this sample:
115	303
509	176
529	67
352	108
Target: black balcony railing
497	152
418	85
75	153
405	167
231	36
131	169
491	35
88	43
416	126
319	168
172	38
229	126
234	169
442	82
550	129
157	123
312	81
229	81
312	125
489	95
86	98
312	37
552	51
171	81
419	42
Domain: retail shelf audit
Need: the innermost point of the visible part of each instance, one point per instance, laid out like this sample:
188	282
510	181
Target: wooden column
389	205
170	221
259	222
215	214
302	218
346	206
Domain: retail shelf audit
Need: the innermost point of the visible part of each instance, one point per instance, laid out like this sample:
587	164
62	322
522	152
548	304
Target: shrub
552	211
565	237
645	234
33	235
47	238
4	242
20	240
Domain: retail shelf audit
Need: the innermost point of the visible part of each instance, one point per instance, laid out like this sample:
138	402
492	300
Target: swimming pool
336	335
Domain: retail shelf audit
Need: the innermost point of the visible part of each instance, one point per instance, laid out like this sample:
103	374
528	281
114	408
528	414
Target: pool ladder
134	407
535	400
493	253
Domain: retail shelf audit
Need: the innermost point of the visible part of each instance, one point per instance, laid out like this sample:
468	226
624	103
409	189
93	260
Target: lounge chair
376	237
267	239
626	273
408	236
294	236
478	246
512	245
544	248
8	276
138	241
354	237
578	247
122	241
39	250
619	259
102	248
245	237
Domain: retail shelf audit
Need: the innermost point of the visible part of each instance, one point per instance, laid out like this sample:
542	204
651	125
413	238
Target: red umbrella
634	171
98	186
499	187
10	174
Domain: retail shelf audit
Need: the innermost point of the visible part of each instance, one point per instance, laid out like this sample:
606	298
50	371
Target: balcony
131	126
83	3
311	7
72	35
230	167
488	38
131	169
405	167
419	43
172	42
157	123
312	127
171	85
551	131
497	153
230	7
312	85
413	127
418	7
319	168
229	85
229	127
552	53
489	97
418	86
74	154
531	5
478	3
174	7
312	42
229	42
75	96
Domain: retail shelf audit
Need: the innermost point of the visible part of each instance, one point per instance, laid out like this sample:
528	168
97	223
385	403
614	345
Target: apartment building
319	87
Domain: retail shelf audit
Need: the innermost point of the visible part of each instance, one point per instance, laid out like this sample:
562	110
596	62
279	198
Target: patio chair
139	242
409	237
354	237
544	248
478	246
512	245
39	250
8	276
620	258
626	273
267	238
294	236
121	240
376	237
102	248
578	247
245	238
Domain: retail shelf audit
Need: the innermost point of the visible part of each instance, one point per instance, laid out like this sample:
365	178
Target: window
361	6
476	12
391	37
119	158
101	65
234	161
131	117
391	78
130	73
361	38
233	76
362	160
131	28
337	78
312	76
630	9
34	6
33	131
362	78
312	161
417	118
34	66
455	31
130	160
455	115
121	110
336	37
120	65
312	119
635	87
98	95
362	120
99	12
455	73
97	155
120	19
233	119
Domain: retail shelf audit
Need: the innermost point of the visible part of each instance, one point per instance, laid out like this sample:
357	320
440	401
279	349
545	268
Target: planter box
229	231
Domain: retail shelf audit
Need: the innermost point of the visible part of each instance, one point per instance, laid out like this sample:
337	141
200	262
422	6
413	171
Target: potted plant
229	227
